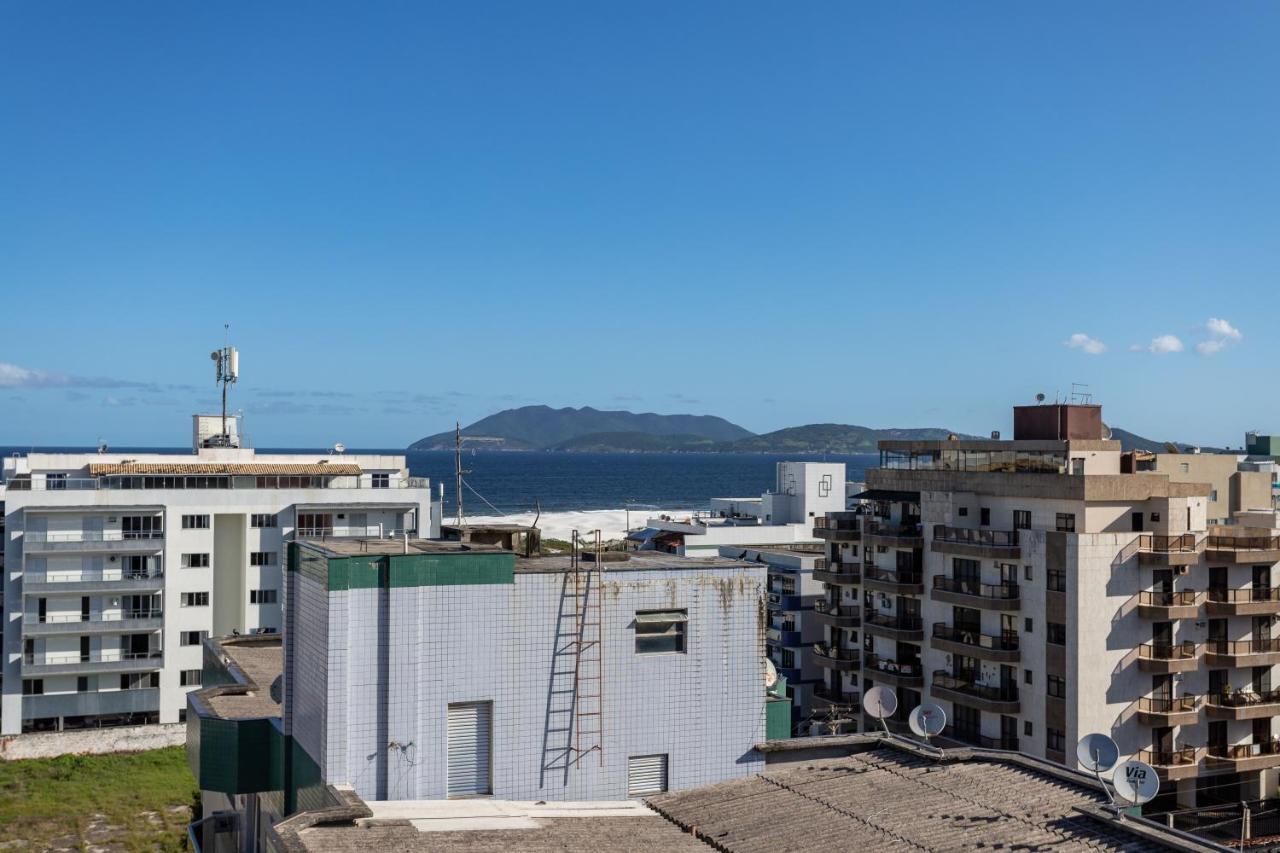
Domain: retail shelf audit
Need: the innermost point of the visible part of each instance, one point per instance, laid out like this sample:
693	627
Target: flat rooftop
635	561
256	662
355	546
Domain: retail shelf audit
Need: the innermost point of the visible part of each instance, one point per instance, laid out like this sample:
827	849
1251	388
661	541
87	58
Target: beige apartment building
1039	590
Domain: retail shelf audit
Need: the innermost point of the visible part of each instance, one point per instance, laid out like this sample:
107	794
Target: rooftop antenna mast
457	468
227	361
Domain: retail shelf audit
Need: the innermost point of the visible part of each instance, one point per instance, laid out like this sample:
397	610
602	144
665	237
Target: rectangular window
195	522
1213	495
1022	519
963	512
382	481
262	596
660	631
1155	516
82	684
195	599
1056	633
55	482
262	558
1066	522
984	516
1026	573
1026	728
195	561
1057	687
189	678
1026	676
1055	580
139	681
33	687
1026	624
1054	739
315	524
262	519
193	638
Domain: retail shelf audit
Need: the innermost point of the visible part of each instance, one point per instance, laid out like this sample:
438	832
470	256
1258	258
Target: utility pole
457	467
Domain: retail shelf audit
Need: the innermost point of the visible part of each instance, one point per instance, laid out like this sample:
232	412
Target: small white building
780	517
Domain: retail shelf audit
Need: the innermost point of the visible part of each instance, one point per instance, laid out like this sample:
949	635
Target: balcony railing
976	738
210	481
902	577
1248	595
1157	543
1243	647
82	576
1007	642
39	537
965	586
844	612
1184	756
837	697
81	618
1169	704
1244	699
968	684
823	651
1243	543
892	530
975	536
896	623
92	657
1240	751
1181	598
908	669
844	524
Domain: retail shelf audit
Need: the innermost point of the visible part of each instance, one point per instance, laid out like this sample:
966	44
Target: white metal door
646	774
470	727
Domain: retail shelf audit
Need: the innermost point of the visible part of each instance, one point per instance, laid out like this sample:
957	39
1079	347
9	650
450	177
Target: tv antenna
880	702
1136	782
457	468
1080	394
227	361
927	721
1098	753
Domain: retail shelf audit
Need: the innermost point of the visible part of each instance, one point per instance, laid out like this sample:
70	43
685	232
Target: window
1184	467
1056	633
964	512
262	519
82	684
1026	573
182	715
33	687
1055	580
195	561
1054	739
1155	516
1026	728
315	524
1026	676
193	638
1213	495
382	481
55	482
195	599
1057	687
788	659
262	558
1066	522
1022	519
262	596
984	516
1027	625
139	681
195	522
189	678
660	631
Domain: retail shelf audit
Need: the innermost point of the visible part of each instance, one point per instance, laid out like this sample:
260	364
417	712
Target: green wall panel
777	725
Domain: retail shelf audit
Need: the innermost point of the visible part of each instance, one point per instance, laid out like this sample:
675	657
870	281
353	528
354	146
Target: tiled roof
885	799
99	469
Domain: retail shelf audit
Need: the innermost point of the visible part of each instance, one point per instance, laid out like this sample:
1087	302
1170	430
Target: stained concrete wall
92	741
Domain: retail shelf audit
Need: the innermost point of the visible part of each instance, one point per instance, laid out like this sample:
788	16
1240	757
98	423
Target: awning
886	495
643	535
662	616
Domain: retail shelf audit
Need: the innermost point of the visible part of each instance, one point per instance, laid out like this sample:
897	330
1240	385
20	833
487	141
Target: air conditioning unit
1182	570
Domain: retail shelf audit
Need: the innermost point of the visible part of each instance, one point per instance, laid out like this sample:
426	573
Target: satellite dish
1136	782
339	448
1039	398
1106	432
879	702
1097	753
928	720
770	673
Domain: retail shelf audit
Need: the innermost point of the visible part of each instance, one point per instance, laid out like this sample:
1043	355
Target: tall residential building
117	566
1038	594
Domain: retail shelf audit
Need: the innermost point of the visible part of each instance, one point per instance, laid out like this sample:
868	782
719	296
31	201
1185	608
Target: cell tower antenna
227	362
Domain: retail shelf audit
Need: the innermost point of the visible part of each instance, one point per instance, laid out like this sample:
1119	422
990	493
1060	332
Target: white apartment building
117	566
783	516
1038	593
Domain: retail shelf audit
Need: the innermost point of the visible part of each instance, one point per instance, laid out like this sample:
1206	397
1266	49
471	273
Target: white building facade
118	565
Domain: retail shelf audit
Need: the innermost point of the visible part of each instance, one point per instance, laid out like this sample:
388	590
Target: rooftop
353	546
323	467
633	561
255	662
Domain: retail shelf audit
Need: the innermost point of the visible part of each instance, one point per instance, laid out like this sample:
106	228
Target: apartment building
1235	483
117	566
431	670
1038	594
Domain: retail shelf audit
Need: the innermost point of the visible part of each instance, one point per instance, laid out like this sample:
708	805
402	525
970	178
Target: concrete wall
92	741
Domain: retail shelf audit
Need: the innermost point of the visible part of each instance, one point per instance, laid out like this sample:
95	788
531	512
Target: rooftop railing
214	481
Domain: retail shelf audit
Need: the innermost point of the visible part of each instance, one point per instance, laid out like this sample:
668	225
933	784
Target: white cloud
1222	329
1210	346
1165	344
13	376
1135	347
1081	341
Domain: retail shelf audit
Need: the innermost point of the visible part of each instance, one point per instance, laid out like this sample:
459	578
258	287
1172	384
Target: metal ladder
588	675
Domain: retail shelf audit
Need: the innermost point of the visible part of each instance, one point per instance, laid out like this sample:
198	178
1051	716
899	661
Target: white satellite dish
879	702
770	673
339	448
1136	782
1097	753
928	720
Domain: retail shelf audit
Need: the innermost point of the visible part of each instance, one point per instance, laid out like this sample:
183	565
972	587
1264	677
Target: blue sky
886	214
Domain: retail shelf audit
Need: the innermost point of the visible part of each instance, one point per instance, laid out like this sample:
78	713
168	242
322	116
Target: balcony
784	601
961	641
907	628
785	637
1181	550
91	704
127	622
1242	757
110	541
974	542
1250	601
1184	604
1243	549
838	527
840	574
1229	653
1168	657
837	615
841	660
1173	764
972	593
73	663
1169	711
880	532
904	674
965	689
1242	705
89	582
894	581
824	697
975	738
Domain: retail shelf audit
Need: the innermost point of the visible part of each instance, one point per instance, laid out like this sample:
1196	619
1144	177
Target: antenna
770	674
880	702
1040	398
1136	782
928	720
227	366
1080	394
1098	753
457	468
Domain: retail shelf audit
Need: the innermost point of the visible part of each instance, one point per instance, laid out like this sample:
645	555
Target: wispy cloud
1084	342
16	376
1165	344
1221	333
